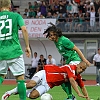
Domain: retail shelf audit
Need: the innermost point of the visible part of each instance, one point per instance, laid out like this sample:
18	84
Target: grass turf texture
56	92
89	77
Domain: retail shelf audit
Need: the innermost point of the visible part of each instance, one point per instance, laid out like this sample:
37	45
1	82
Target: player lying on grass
51	76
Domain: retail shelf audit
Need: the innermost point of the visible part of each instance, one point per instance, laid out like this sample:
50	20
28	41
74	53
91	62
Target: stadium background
88	42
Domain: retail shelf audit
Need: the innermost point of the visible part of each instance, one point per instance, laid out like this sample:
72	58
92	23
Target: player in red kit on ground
53	75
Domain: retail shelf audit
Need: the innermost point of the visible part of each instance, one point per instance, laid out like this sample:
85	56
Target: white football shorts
16	66
43	86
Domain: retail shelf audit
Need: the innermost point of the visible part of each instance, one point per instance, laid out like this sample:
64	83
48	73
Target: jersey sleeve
79	81
68	44
20	21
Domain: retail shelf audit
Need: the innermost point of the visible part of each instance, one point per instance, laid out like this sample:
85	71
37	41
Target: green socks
21	89
1	80
67	88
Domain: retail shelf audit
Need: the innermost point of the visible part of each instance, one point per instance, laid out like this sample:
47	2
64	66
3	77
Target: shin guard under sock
21	89
67	88
1	80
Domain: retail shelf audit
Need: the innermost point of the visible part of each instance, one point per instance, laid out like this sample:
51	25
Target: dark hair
53	28
41	55
49	55
92	8
35	53
63	59
98	48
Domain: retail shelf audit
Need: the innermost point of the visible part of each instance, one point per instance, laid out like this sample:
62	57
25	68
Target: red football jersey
56	75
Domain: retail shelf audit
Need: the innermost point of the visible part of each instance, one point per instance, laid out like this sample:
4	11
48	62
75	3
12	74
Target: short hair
41	55
53	28
49	55
35	53
5	3
63	59
98	48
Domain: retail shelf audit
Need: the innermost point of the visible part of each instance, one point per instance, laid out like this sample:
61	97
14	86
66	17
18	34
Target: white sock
14	91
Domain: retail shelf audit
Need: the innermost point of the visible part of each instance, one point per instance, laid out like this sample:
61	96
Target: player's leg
9	93
97	76
37	83
1	79
15	91
38	91
67	88
3	70
21	87
34	82
18	69
41	87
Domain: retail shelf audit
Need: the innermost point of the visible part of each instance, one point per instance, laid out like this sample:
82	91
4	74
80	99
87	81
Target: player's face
41	57
99	51
53	36
80	69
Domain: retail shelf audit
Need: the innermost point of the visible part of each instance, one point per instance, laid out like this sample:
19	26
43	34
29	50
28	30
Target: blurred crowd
71	15
37	64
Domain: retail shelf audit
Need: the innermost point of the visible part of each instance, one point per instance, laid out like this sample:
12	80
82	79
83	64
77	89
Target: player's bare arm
81	55
85	93
25	36
93	62
74	85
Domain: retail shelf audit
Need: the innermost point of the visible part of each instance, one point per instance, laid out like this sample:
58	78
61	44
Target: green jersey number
9	27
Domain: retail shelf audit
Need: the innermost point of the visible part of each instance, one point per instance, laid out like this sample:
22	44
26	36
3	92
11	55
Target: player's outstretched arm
85	93
74	85
25	36
81	55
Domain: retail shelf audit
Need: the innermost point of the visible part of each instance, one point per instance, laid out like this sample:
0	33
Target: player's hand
88	98
28	52
80	95
87	62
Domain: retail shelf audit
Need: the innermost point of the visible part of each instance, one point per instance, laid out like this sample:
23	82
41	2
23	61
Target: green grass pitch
56	92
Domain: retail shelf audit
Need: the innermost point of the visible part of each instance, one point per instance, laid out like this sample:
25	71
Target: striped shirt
55	75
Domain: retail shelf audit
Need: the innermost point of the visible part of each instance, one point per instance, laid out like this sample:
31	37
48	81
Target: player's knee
31	84
33	95
19	77
35	80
